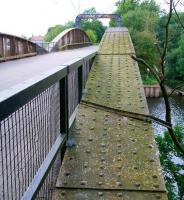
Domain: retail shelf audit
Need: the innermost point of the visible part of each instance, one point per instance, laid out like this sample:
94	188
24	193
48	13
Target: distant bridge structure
12	47
98	16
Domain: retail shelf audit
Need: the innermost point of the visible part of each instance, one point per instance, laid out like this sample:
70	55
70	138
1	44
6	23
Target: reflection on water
157	109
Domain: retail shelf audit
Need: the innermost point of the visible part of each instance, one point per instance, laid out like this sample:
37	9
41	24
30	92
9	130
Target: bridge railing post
64	114
80	81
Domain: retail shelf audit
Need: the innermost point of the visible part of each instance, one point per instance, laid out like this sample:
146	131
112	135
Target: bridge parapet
34	120
12	47
70	38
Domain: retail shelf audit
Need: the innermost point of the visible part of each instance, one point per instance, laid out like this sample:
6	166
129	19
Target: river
157	109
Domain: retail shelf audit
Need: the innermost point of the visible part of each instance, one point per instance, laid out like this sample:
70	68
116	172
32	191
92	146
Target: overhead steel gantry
98	16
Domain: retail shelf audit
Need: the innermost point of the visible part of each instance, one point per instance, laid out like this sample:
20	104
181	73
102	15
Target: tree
159	74
54	31
92	35
172	169
94	25
142	19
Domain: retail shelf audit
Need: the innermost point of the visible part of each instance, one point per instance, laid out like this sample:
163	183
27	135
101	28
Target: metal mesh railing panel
73	91
86	69
26	137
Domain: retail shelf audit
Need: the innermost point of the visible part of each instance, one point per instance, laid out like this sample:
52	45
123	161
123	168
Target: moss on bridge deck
115	157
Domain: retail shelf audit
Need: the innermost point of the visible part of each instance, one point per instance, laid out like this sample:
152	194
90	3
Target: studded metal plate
115	81
111	152
107	195
116	42
114	157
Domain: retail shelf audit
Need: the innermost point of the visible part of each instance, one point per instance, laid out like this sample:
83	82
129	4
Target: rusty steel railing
34	123
13	47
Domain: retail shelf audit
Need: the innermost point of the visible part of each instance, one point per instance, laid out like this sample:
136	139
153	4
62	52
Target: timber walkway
111	155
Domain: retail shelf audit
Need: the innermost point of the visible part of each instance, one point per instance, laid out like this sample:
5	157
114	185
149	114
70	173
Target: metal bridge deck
114	156
23	69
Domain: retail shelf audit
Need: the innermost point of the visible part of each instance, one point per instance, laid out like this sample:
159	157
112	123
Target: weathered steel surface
97	16
111	152
69	38
116	41
13	47
112	157
115	81
107	195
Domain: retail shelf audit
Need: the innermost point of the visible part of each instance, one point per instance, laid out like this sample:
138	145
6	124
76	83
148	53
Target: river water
157	109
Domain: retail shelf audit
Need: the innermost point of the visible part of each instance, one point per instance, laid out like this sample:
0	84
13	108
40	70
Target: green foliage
173	164
175	62
142	20
125	6
94	25
54	31
92	35
180	67
149	79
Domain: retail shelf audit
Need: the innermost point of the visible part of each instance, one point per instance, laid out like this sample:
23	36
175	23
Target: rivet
150	146
119	183
119	145
101	174
137	184
88	151
119	194
102	159
92	128
135	167
64	183
152	160
101	167
67	174
63	193
119	159
134	152
103	151
90	139
100	183
103	145
85	165
119	152
100	194
158	196
155	176
156	185
83	182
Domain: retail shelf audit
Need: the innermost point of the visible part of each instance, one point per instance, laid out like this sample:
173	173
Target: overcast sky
27	17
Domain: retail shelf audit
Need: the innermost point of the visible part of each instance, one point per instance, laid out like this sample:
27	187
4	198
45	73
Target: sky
34	17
